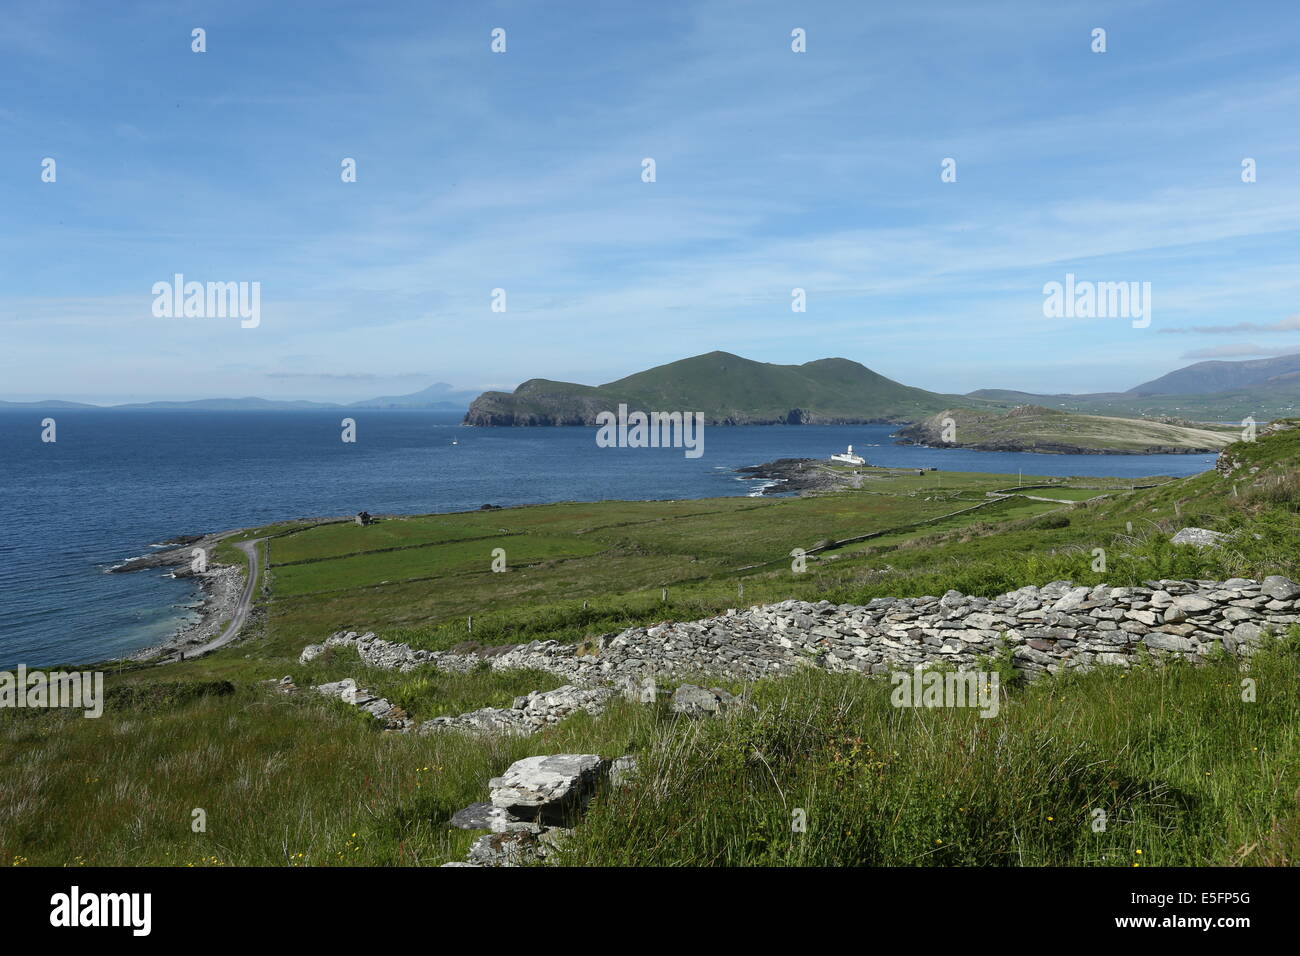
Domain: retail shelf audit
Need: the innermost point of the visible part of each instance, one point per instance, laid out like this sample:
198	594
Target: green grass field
1184	772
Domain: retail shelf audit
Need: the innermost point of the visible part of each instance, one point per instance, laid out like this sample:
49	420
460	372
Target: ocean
117	482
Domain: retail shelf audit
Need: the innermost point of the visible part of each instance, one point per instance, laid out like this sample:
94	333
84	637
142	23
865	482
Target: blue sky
522	171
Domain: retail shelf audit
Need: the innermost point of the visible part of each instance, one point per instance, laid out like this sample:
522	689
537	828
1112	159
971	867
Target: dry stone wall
535	804
1045	629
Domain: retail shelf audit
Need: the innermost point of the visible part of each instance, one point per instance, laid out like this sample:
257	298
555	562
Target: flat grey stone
1193	604
698	702
1201	537
550	789
477	816
1280	588
1167	642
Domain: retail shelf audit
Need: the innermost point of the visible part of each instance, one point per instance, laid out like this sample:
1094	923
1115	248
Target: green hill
727	389
1037	429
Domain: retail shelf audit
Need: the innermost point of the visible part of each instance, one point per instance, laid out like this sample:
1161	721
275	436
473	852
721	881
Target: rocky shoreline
218	589
173	553
798	476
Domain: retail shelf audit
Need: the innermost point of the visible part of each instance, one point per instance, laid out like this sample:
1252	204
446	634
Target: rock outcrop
346	690
1201	537
534	805
529	714
698	702
548	791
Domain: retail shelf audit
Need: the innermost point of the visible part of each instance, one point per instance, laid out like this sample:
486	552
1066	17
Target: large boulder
345	689
528	714
695	701
550	790
1201	537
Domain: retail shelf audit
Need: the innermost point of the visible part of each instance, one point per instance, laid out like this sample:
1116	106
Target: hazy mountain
1209	391
229	405
1209	377
49	403
439	397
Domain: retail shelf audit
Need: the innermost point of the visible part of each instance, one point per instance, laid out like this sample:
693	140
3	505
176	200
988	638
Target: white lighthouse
849	458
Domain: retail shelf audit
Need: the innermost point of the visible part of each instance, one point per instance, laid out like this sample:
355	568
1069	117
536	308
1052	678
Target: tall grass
1184	771
1181	770
284	781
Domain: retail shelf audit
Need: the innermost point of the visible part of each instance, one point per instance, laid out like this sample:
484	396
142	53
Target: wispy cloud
1239	352
522	171
1290	324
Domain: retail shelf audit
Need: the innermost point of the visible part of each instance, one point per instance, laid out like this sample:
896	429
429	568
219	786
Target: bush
149	696
1051	521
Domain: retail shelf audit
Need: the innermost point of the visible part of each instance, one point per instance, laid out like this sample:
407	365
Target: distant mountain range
1220	391
438	397
733	390
1224	376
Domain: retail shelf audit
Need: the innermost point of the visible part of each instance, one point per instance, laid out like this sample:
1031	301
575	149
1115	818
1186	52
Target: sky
523	171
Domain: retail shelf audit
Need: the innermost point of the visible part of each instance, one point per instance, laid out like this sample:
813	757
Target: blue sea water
116	482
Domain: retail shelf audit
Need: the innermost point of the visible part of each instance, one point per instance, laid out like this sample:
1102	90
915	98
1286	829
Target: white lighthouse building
849	458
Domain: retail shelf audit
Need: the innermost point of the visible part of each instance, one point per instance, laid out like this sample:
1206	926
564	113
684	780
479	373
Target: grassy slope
1185	771
1265	402
727	385
1032	428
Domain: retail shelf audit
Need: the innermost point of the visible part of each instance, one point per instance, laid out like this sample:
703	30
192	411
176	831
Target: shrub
150	696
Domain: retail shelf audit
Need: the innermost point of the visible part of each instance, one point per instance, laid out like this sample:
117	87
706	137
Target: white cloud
1290	324
1238	352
